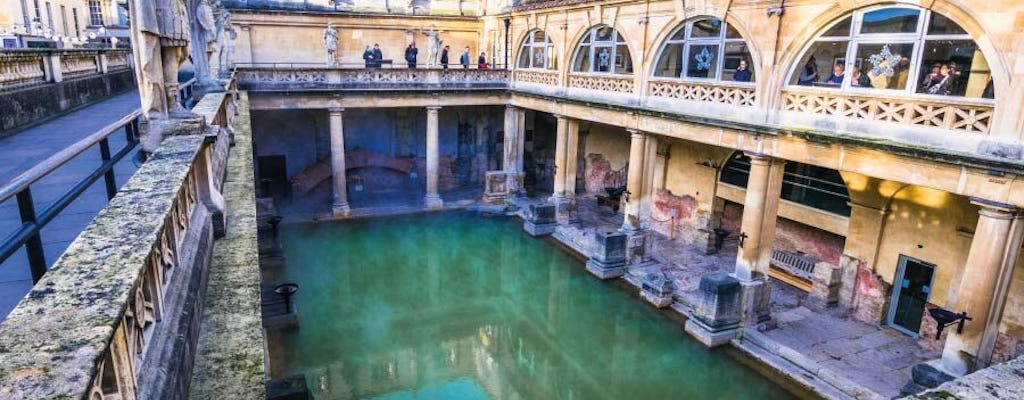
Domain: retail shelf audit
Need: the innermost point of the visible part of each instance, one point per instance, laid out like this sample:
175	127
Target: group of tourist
374	58
944	79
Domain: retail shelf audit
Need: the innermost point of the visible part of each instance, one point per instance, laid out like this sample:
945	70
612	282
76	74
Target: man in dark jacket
444	58
464	58
410	55
378	57
743	73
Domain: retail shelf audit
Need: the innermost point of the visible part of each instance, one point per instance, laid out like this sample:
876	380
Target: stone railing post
53	67
101	60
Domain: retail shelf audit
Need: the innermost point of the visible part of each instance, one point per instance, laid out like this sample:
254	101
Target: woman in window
810	74
942	85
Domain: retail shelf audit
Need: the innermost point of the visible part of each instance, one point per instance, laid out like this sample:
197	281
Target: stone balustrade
25	68
605	83
117	315
735	94
965	115
370	78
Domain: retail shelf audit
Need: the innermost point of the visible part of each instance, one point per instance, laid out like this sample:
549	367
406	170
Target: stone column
433	198
977	292
558	193
757	233
572	143
634	180
340	205
512	163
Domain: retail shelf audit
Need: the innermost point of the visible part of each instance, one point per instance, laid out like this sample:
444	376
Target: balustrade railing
965	115
24	68
372	78
534	76
120	303
607	83
714	92
21	69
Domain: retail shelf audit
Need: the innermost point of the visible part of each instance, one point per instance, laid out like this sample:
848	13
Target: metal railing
20	188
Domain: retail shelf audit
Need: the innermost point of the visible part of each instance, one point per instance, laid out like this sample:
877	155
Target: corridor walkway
27	148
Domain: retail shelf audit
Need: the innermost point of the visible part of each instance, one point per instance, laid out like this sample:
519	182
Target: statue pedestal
540	220
716	317
609	261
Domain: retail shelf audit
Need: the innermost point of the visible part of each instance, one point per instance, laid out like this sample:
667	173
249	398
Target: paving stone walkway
27	148
828	343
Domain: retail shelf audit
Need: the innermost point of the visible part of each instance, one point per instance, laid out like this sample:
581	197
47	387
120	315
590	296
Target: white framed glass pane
552	59
886	66
603	59
679	35
538	37
817	64
706	28
890	20
582	61
524	57
539	58
702	61
840	29
623	62
670	63
954	68
737	65
732	33
940	25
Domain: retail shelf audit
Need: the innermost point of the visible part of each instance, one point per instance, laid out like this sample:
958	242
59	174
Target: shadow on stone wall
23	108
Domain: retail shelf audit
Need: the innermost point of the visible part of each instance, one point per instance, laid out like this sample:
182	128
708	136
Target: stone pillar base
638	245
565	210
606	270
341	210
433	202
655	288
535	229
756	303
717	315
708	336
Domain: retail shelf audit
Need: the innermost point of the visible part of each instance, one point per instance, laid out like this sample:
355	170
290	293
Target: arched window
899	49
705	49
603	51
806	184
537	52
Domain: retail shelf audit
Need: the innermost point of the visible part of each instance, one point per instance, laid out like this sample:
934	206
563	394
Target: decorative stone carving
961	116
433	47
226	36
204	35
331	44
719	92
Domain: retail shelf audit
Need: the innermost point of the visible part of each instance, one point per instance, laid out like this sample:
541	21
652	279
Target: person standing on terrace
378	57
368	57
481	62
444	58
410	55
464	58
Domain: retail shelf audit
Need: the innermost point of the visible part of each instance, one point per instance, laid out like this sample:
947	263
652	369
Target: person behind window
932	78
742	72
858	79
810	74
956	82
941	87
482	61
836	78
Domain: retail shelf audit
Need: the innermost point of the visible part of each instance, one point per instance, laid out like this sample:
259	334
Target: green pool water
465	306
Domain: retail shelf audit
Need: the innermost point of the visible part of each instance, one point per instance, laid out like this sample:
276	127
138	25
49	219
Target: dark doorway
910	293
273	177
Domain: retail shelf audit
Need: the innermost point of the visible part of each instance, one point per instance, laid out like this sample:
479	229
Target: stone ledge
230	355
1000	382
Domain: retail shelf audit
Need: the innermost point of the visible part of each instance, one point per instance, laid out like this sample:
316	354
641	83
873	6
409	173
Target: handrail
32	223
45	167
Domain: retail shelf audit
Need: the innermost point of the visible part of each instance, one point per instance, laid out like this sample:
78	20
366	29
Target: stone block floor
869	356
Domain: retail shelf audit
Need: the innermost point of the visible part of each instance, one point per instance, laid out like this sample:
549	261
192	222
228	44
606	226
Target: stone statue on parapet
160	37
226	36
205	34
433	46
331	44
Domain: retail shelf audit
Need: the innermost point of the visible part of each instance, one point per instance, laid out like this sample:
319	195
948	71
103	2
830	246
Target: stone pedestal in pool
540	220
716	317
657	289
609	260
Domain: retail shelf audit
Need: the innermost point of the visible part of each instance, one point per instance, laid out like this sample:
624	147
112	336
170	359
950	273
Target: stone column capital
433	108
636	133
995	209
511	107
761	158
336	110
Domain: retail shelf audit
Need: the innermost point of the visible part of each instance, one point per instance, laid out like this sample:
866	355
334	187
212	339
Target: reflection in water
460	306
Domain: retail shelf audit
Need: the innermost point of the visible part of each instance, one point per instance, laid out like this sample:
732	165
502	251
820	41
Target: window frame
855	40
688	41
529	48
590	41
95	13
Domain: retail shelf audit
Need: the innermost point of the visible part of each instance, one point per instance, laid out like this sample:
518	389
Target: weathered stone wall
606	150
25	107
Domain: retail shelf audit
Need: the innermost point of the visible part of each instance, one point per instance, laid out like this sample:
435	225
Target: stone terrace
854	359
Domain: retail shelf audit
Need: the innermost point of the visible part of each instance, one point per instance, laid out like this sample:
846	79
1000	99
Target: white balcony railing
714	92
